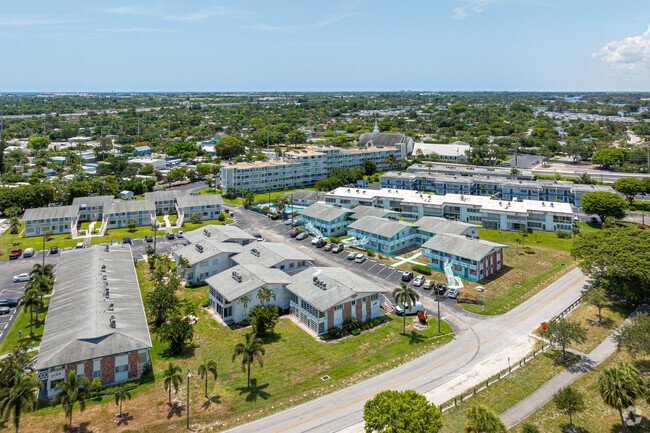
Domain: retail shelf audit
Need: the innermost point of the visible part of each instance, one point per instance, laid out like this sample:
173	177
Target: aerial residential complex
111	213
96	324
490	213
305	167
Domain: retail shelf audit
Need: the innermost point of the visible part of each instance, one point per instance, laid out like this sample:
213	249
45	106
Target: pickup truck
15	253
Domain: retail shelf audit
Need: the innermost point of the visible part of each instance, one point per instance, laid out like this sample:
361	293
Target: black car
148	238
407	276
274	216
441	288
296	224
170	235
8	303
321	243
54	250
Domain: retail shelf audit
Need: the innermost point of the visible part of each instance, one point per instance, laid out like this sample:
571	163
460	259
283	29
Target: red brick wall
68	369
133	364
107	365
368	308
359	309
347	311
88	370
330	318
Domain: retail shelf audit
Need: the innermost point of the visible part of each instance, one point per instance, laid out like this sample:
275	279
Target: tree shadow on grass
556	356
176	411
576	429
212	400
187	353
255	391
80	428
125	420
415	338
271	338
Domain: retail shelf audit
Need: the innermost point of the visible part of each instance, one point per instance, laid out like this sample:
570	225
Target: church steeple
376	130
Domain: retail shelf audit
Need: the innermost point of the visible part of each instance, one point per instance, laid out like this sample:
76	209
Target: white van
79	246
410	310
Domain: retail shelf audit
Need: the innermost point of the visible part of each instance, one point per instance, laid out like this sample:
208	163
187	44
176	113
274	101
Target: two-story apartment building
383	234
274	255
207	207
206	258
329	220
119	213
92	208
58	219
96	324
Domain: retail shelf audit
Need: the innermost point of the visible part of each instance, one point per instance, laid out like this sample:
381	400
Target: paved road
477	338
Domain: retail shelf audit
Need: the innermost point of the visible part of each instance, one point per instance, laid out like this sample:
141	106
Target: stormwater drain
518	286
324	378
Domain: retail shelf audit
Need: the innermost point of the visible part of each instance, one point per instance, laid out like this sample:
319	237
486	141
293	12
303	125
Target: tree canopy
604	205
401	412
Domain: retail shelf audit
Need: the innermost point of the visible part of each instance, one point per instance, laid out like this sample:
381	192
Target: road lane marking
476	346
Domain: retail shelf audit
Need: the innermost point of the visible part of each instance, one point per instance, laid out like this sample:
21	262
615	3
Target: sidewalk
545	393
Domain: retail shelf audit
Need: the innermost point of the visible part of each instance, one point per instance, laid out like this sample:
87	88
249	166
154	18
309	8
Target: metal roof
77	326
217	233
380	226
184	201
253	277
211	248
269	254
324	212
442	225
93	201
41	213
130	206
462	246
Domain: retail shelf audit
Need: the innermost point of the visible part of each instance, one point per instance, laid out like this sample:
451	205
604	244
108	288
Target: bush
642	226
562	234
244	323
335	332
335	240
351	324
529	250
356	331
422	269
221	217
371	253
195	285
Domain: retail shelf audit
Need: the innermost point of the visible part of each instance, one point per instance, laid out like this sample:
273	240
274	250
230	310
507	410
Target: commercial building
470	170
96	324
480	210
453	152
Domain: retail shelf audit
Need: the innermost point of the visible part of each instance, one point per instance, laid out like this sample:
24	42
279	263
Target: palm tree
21	396
250	351
524	235
30	299
407	297
72	391
172	379
264	294
14	228
121	395
390	160
483	420
39	270
46	237
618	390
244	301
204	371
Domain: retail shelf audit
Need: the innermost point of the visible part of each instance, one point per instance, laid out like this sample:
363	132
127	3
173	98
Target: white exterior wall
208	267
238	311
57	225
119	220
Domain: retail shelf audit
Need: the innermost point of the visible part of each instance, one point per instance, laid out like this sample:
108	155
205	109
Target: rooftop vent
206	232
111	306
255	252
236	276
199	248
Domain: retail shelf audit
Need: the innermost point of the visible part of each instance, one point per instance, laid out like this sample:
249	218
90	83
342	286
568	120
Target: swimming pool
289	208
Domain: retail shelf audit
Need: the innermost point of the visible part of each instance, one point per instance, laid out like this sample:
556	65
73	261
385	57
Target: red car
294	233
15	253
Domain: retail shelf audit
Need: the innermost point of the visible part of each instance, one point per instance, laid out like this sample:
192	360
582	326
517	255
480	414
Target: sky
333	45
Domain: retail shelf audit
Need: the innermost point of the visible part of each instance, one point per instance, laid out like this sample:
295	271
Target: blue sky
348	45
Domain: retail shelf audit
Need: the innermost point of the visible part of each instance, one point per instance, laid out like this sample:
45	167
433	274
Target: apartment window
227	312
338	307
97	373
121	368
354	302
374	297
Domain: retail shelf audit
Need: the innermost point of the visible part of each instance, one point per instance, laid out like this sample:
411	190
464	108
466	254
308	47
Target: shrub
422	269
642	226
335	332
529	250
562	234
244	323
356	331
371	253
335	240
351	324
195	285
221	217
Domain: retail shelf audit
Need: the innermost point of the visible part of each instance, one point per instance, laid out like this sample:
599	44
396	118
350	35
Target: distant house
453	152
142	150
304	197
126	195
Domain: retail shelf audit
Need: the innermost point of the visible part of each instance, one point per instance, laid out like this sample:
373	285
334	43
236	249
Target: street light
155	230
438	300
188	398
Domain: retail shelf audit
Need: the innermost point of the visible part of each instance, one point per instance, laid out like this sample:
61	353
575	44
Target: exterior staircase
104	226
311	228
359	243
453	281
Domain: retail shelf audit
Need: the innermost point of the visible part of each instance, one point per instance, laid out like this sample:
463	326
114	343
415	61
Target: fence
257	209
507	372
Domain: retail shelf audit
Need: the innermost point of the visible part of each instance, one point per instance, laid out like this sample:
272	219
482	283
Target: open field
21	323
293	366
587	316
36	242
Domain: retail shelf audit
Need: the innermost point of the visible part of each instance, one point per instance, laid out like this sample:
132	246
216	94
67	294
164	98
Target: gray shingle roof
442	225
305	194
167	195
473	249
379	226
340	284
269	254
362	211
217	233
382	139
324	212
252	278
130	206
211	248
184	201
94	201
41	213
77	326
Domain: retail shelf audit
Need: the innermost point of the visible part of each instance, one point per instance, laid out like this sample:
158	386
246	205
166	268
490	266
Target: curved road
477	339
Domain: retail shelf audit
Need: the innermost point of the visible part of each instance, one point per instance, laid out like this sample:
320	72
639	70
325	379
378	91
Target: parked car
352	256
126	241
113	242
6	302
419	280
287	222
20	278
337	248
80	245
302	235
316	239
328	247
453	293
296	224
180	234
15	253
257	235
407	276
274	216
413	309
54	249
441	288
28	252
321	243
5	310
294	233
428	285
148	238
170	235
360	258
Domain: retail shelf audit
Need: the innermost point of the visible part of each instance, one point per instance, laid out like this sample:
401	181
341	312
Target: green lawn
21	323
277	194
36	242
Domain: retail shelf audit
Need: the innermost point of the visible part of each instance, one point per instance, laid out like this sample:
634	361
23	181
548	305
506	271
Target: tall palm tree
172	379
407	297
250	351
264	294
46	271
14	228
47	236
21	396
121	395
71	391
31	299
244	301
41	284
204	371
618	390
483	420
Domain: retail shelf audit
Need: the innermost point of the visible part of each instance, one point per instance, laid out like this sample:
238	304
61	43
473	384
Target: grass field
21	323
587	316
293	366
36	242
598	417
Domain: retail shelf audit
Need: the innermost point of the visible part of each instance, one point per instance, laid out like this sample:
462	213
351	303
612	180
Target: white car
21	278
316	239
419	280
413	309
360	258
179	234
453	293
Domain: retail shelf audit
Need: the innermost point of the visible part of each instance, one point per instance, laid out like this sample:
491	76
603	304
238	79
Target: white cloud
202	15
22	21
477	7
631	54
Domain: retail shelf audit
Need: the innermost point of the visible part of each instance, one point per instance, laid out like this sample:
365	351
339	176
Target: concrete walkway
31	349
411	260
545	393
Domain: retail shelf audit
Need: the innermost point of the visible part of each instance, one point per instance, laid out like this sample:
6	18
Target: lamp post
438	300
188	398
155	231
